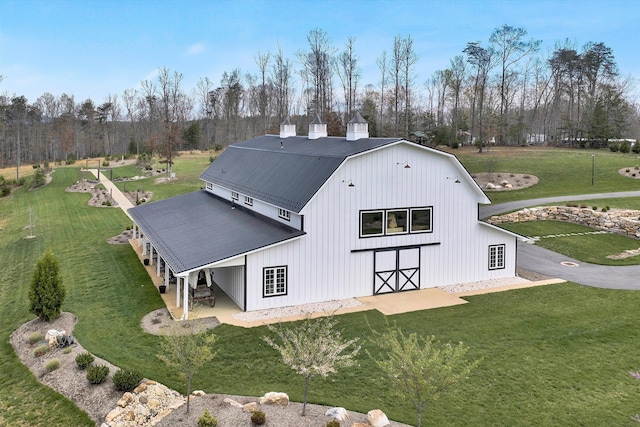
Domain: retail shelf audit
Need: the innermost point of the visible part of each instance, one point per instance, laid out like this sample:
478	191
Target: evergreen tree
47	292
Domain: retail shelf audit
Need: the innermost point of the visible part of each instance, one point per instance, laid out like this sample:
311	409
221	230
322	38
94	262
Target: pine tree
47	293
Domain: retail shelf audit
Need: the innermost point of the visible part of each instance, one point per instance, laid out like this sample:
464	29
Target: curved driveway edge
489	210
549	263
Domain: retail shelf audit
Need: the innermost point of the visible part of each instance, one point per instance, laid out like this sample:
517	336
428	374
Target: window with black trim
372	223
284	214
209	186
274	281
248	200
496	257
388	222
421	220
234	195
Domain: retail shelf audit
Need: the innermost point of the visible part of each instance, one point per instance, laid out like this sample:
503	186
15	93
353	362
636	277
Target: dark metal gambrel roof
198	228
285	172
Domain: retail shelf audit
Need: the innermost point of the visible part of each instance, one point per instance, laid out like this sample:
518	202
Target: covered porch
224	305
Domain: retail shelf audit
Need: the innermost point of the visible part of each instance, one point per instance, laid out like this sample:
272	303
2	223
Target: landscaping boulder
377	418
275	398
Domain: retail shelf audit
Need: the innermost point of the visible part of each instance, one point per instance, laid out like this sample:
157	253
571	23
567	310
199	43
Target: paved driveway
544	261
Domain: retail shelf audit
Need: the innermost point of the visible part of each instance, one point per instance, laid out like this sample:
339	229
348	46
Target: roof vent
317	129
287	129
357	128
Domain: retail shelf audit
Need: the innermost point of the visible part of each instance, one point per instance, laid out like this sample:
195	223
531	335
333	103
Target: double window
248	200
234	195
386	222
496	257
274	281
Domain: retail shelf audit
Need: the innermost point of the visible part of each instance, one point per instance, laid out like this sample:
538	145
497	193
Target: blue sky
93	48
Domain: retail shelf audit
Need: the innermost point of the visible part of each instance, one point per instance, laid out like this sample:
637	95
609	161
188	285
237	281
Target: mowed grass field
556	355
561	171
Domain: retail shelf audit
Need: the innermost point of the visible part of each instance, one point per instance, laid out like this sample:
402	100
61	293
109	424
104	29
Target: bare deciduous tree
313	347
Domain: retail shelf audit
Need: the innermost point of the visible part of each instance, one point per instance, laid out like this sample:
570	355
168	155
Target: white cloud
196	49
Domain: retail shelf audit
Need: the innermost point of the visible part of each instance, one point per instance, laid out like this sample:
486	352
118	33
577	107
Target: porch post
185	299
144	246
166	274
158	265
178	284
151	254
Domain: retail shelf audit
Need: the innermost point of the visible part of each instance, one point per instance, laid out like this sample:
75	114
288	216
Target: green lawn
554	355
593	248
561	171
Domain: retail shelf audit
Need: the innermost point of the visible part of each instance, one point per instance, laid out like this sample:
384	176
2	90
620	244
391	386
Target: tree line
503	91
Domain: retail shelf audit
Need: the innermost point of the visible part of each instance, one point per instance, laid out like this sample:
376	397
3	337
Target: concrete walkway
117	195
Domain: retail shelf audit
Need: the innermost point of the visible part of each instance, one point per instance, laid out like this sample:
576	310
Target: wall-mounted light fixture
457	180
349	181
406	164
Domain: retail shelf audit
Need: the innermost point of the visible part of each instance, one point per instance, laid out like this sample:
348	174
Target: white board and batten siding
266	209
333	262
231	281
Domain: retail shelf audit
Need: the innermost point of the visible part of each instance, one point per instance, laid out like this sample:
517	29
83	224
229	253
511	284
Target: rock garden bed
504	181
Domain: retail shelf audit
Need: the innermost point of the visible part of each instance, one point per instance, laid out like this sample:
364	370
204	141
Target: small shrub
614	146
84	360
212	158
258	418
636	148
126	380
218	147
67	350
105	164
5	190
35	337
624	147
333	423
41	350
595	208
207	420
52	365
583	206
97	374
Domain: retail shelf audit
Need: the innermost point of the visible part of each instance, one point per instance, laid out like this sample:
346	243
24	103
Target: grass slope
561	171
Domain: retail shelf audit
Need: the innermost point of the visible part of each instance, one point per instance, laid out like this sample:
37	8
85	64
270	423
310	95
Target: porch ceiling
198	228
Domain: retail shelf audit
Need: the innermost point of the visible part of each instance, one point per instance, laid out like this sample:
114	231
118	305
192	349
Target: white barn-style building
284	220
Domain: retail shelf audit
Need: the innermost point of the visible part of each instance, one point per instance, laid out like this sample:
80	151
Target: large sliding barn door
396	270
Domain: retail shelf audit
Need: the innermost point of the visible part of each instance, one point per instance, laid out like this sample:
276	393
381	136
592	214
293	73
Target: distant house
285	220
